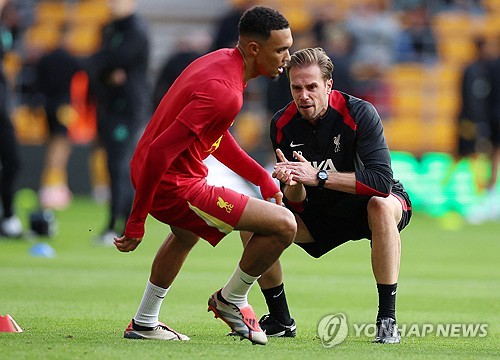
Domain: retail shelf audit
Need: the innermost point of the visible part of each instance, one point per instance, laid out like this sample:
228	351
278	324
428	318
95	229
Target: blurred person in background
475	95
478	128
374	29
226	27
494	120
55	70
188	48
417	41
338	44
119	84
10	225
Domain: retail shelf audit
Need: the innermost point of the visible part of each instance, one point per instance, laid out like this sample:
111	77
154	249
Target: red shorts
210	212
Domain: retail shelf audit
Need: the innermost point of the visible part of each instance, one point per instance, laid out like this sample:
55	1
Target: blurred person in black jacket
10	225
479	124
478	127
188	48
226	28
118	74
475	93
494	119
55	70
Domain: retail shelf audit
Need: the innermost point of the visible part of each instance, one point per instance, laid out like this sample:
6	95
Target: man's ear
253	48
329	84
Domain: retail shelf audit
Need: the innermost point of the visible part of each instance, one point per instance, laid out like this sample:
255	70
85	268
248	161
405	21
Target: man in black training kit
120	85
335	171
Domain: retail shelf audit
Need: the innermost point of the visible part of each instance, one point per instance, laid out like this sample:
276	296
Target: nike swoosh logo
393	293
160	297
292	145
246	282
277	295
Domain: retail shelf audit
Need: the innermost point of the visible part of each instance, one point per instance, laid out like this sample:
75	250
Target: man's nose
287	56
304	94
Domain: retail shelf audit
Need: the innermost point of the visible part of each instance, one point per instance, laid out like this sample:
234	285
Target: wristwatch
322	176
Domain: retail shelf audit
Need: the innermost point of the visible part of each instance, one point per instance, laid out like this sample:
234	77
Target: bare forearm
345	182
295	193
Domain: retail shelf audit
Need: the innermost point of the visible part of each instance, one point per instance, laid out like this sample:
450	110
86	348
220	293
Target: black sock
387	300
277	305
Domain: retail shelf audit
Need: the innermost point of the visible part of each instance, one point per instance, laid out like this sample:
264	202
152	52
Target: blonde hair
311	56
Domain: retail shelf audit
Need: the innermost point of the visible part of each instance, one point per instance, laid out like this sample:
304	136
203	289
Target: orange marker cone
8	324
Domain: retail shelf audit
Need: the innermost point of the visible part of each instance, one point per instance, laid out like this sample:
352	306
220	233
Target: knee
286	227
379	208
186	243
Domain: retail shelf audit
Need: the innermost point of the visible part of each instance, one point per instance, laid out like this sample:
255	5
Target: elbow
374	183
383	189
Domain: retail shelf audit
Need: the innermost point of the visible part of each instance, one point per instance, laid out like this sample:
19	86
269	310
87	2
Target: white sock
237	288
149	309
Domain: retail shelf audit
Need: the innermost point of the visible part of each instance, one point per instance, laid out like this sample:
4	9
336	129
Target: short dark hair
259	21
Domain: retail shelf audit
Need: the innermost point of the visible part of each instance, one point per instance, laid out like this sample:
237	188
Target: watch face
322	175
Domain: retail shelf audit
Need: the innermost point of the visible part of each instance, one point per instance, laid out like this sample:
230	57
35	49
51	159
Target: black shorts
495	131
55	118
467	137
331	231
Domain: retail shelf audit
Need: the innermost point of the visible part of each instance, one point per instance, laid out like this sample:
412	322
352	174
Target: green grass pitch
77	304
